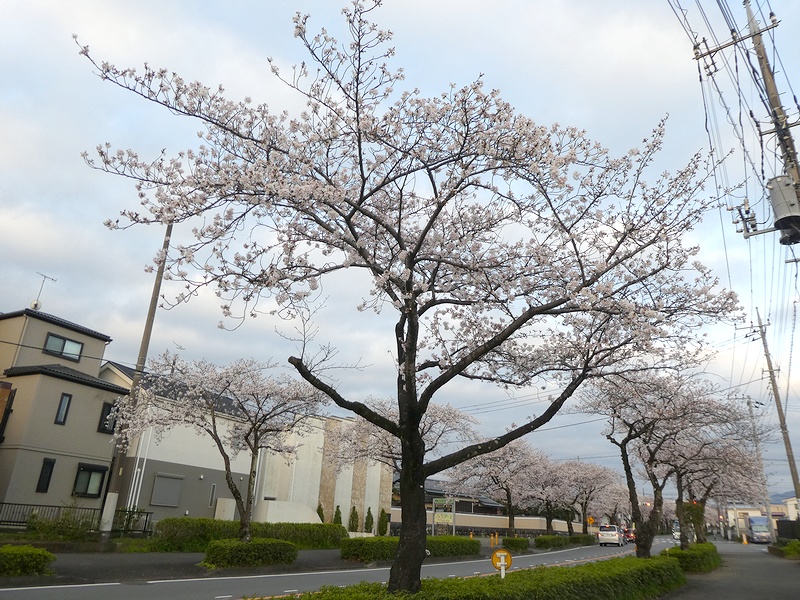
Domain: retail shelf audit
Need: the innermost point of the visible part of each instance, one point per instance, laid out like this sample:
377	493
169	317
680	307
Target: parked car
630	535
610	534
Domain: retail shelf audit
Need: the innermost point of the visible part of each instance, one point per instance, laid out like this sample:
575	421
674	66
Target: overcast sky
612	67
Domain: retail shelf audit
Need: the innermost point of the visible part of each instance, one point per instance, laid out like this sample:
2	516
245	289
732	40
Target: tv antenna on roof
36	304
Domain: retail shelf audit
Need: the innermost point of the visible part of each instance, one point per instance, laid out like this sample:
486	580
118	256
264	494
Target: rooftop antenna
37	304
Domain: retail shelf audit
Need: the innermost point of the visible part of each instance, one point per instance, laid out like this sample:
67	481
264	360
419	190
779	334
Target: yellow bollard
470	535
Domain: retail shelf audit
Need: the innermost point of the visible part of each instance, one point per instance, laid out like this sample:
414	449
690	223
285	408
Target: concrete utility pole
781	418
760	459
117	478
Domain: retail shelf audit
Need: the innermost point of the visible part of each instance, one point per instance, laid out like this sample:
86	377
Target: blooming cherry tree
503	251
238	406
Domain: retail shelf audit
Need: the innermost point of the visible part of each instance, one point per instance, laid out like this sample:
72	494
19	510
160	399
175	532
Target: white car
610	534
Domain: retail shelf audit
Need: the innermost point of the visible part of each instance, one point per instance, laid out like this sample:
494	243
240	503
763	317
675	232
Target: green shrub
352	523
370	549
544	542
583	539
699	558
791	548
337	516
321	513
615	579
383	522
452	545
16	561
187	534
255	553
369	521
516	544
70	526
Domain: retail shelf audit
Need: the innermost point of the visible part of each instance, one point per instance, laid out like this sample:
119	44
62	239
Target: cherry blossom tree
505	475
238	406
504	251
585	483
661	423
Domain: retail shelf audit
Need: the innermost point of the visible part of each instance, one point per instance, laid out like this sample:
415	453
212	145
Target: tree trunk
512	532
680	513
407	568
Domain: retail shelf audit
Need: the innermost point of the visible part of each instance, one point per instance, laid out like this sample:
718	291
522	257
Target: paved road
748	572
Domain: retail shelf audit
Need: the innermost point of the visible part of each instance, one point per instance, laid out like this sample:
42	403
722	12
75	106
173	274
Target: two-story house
55	438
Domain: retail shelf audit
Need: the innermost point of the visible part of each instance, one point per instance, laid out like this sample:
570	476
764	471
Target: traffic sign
590	520
501	559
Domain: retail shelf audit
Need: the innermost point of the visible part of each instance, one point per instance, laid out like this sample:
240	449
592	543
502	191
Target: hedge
255	553
615	579
16	561
699	558
544	542
370	549
516	544
189	534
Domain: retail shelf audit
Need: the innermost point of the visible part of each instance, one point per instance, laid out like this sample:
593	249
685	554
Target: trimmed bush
699	558
583	539
516	544
452	545
255	553
385	548
187	534
544	542
337	516
615	579
16	561
370	549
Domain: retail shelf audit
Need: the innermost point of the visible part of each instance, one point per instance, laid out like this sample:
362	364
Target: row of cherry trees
496	249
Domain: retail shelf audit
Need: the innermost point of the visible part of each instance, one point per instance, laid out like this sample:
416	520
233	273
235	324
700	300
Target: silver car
610	534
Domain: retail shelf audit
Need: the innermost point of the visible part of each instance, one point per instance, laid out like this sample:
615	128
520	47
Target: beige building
55	441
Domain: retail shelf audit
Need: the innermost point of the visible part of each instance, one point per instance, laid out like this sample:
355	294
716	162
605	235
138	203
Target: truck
758	530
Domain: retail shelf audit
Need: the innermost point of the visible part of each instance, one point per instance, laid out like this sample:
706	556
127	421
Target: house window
63	409
166	490
89	480
106	424
213	495
48	464
60	346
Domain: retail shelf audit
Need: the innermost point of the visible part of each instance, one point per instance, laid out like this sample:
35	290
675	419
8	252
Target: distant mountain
780	497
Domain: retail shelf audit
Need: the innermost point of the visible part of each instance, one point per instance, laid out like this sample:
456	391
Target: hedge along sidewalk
384	548
626	578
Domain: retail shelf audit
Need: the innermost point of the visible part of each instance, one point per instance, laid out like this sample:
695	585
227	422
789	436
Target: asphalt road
748	572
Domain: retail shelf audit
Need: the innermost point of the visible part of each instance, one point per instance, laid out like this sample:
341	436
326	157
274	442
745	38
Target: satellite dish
36	305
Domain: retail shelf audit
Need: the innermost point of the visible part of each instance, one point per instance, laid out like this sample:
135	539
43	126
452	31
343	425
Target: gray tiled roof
35	314
67	374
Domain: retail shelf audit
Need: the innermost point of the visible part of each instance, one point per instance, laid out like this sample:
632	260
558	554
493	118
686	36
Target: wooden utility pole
781	418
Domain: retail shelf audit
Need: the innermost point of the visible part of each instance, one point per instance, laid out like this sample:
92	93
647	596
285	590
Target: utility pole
117	477
760	459
781	418
784	189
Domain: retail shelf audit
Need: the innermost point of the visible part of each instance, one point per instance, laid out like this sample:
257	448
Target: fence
125	521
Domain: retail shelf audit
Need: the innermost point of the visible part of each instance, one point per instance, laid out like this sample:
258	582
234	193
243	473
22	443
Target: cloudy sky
612	67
